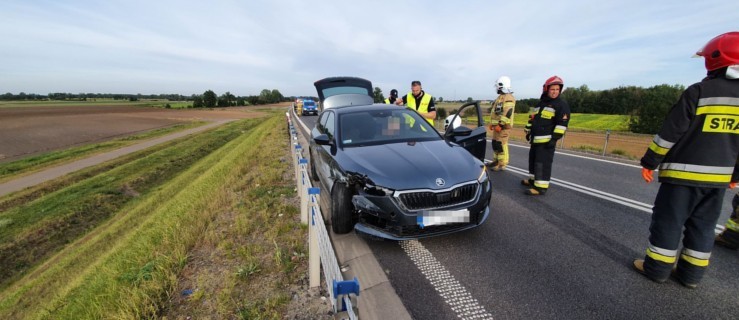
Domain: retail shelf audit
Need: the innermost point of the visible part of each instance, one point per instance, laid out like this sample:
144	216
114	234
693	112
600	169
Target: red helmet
721	51
554	80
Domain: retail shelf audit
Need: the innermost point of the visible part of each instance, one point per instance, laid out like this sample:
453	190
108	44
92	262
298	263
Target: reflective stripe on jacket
549	121
698	144
502	113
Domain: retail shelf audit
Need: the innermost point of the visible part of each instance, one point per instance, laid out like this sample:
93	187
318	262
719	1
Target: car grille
432	200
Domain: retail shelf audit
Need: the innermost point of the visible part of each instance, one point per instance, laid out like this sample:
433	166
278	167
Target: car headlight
483	176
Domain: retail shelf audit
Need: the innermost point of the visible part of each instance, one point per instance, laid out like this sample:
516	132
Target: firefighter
501	122
393	97
546	125
729	238
420	101
696	153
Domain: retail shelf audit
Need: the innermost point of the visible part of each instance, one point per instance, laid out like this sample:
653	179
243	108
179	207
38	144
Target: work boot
638	266
492	164
535	192
720	240
527	182
499	168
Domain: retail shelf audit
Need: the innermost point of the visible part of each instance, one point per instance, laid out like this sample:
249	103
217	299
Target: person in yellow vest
393	97
501	123
420	101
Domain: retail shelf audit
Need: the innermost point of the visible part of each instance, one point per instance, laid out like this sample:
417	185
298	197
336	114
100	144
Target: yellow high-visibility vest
423	108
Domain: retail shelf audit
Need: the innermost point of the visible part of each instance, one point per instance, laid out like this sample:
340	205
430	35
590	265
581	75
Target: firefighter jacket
502	113
698	144
549	121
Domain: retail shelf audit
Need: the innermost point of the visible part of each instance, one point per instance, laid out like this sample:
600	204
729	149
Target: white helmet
448	120
503	84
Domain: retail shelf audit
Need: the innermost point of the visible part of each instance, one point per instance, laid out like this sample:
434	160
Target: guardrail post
303	189
608	134
347	288
314	256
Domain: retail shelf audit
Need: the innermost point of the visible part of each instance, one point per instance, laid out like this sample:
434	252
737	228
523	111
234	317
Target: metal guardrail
343	293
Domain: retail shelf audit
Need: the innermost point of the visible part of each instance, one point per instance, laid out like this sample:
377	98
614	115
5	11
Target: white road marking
583	157
301	123
454	294
641	206
593	192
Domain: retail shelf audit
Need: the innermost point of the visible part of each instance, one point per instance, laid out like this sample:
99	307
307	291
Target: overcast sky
456	48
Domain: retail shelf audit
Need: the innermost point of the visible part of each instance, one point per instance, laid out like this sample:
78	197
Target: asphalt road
566	255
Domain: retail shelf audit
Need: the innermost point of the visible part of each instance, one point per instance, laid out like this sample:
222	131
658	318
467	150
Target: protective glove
732	185
552	143
647	175
528	136
498	128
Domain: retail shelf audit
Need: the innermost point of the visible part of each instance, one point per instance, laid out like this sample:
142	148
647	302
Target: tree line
207	99
647	107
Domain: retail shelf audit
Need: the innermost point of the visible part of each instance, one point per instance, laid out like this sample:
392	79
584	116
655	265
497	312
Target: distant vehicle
309	107
390	174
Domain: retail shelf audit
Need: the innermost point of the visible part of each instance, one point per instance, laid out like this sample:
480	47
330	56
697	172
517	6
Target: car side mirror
461	131
322	140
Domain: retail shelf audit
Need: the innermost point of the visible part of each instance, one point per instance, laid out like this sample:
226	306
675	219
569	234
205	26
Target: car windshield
373	127
309	104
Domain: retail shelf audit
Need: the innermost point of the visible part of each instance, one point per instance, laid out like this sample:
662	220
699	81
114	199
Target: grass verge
128	267
35	230
13	169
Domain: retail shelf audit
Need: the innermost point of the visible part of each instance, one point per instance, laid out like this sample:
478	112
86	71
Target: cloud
457	49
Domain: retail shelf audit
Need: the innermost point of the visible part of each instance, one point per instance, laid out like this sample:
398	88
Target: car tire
342	209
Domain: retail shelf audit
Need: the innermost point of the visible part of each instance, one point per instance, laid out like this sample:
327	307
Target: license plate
442	217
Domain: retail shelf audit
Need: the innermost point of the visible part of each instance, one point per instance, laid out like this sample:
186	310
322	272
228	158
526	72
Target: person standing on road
548	124
392	98
729	238
420	101
696	152
501	122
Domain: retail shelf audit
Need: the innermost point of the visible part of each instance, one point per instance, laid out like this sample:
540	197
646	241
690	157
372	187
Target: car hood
403	166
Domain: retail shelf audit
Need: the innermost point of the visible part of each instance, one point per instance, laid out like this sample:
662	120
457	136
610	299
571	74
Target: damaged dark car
389	172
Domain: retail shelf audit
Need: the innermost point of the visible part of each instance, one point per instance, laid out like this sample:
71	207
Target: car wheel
342	209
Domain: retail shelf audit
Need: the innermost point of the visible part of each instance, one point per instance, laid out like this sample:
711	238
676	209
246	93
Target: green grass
128	267
35	230
587	148
12	169
579	121
588	122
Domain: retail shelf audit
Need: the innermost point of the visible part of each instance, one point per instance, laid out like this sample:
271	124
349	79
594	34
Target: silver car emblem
440	182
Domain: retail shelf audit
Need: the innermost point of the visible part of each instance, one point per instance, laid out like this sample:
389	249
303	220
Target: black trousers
676	207
541	157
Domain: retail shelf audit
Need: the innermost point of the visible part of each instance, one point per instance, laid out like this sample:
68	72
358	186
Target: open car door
472	139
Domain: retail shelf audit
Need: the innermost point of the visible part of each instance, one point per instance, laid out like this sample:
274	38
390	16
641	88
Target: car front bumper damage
386	217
